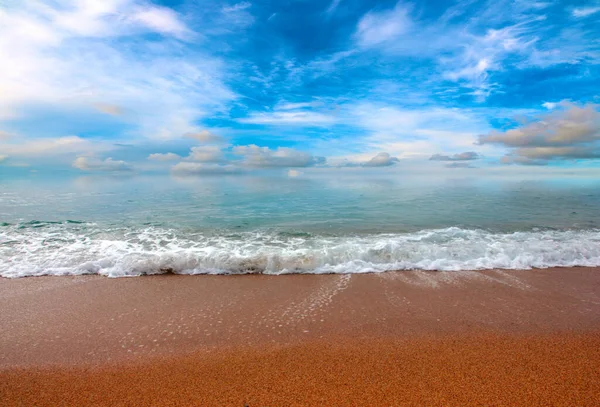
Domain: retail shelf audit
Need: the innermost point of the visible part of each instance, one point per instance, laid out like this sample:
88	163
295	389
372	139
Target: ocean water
343	223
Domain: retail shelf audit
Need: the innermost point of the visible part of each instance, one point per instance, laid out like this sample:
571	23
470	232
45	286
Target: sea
135	225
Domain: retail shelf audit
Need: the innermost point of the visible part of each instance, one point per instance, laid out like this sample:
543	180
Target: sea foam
38	248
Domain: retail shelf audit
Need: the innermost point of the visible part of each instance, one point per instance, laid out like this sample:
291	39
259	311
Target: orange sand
561	370
494	338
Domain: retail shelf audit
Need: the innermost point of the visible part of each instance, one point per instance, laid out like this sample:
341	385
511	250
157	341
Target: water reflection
339	203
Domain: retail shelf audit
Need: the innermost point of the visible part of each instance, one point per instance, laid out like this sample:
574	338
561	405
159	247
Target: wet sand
400	338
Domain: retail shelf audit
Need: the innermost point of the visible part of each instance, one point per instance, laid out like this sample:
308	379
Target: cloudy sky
216	87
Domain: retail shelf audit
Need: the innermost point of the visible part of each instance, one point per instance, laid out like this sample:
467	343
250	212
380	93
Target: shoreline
171	272
451	338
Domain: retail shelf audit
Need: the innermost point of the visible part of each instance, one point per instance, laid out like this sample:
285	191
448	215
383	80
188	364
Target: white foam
60	249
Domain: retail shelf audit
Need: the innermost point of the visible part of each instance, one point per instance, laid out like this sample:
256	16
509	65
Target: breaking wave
74	248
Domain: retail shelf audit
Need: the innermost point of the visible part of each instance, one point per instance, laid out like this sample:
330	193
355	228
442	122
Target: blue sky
213	87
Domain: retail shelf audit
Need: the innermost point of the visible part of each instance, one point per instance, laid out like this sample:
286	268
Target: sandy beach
299	203
495	337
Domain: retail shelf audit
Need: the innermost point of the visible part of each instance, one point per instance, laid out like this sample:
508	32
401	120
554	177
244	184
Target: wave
74	248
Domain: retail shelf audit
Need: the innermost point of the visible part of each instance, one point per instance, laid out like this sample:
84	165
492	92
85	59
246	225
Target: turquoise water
274	224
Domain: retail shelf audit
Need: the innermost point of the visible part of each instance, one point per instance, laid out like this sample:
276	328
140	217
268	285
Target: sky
198	88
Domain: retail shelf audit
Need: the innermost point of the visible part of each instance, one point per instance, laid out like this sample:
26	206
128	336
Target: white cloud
164	157
294	173
237	7
290	118
393	119
207	154
264	157
225	19
190	169
206	137
297	105
95	164
108	18
85	18
3	158
416	132
549	105
483	54
471	52
570	46
60	62
375	28
585	11
161	19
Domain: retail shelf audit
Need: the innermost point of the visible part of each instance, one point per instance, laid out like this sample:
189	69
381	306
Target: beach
299	203
495	337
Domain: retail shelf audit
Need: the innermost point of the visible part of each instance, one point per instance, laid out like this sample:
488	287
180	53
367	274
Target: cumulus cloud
95	164
164	157
572	132
207	154
466	156
572	125
190	169
381	160
264	157
205	137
